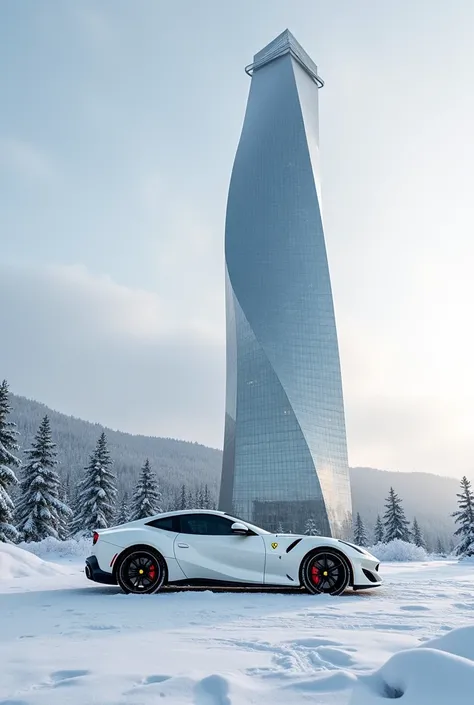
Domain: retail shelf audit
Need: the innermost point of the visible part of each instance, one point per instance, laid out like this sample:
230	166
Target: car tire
325	572
141	571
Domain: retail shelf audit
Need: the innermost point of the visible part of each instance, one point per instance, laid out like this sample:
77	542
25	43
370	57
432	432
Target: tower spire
285	43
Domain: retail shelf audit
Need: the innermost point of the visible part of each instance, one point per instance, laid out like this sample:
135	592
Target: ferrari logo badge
274	545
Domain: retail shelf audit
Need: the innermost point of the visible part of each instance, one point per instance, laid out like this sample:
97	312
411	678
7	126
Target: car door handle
183	545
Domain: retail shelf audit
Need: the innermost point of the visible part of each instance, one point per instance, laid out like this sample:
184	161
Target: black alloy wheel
140	572
326	572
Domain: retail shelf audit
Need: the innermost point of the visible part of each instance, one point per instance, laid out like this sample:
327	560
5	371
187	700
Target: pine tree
97	491
439	547
183	498
207	500
7	476
280	529
360	534
66	521
64	490
417	536
147	498
193	499
41	511
72	491
395	522
311	528
123	514
200	499
464	516
173	501
65	497
68	494
378	530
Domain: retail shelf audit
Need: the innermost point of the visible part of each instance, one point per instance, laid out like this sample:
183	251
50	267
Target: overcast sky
119	122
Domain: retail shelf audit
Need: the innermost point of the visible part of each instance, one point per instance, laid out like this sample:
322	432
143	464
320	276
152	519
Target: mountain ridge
175	462
429	497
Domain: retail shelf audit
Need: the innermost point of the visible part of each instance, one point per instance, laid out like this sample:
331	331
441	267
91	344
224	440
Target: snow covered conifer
97	494
67	494
439	547
147	499
310	527
183	498
7	476
417	536
64	490
200	498
41	511
195	498
464	516
207	500
360	534
123	514
395	522
378	530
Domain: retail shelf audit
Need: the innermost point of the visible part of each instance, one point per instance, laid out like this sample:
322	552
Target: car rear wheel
141	572
325	572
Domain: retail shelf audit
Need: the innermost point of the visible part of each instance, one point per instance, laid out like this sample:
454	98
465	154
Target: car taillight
95	538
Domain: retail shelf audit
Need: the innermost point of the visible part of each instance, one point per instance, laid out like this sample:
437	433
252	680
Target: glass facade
285	449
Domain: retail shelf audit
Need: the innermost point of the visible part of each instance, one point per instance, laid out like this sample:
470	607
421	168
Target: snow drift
71	548
439	672
15	562
399	551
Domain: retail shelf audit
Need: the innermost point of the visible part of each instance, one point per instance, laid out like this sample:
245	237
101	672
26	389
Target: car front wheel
141	572
325	572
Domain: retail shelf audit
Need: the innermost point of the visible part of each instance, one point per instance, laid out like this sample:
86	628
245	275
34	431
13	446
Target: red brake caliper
315	575
152	572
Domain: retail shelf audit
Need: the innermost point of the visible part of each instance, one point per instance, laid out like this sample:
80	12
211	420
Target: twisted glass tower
285	450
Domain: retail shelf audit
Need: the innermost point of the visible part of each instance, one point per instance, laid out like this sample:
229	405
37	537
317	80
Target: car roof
179	512
216	512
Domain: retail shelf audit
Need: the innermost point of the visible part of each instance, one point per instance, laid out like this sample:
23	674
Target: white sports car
202	547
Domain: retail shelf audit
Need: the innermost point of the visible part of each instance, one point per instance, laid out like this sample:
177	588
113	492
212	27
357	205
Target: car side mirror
238	528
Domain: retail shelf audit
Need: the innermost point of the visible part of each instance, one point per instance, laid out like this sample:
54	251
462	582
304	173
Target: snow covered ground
64	640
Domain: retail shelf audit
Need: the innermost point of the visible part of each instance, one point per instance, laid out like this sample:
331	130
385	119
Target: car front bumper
95	573
366	575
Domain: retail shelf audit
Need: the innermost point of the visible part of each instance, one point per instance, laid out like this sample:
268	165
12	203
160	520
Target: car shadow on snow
176	589
64	597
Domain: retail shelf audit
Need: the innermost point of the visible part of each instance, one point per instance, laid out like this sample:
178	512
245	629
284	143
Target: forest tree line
36	503
39	504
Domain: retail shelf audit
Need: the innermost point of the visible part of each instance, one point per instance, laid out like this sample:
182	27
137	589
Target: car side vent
370	576
292	545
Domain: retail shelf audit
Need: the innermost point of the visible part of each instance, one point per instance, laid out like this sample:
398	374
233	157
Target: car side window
167	523
205	525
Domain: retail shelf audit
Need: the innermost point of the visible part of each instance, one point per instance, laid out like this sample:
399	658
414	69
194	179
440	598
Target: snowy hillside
175	462
64	639
430	498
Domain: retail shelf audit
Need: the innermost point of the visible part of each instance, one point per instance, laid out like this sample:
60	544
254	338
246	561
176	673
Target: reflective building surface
285	451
